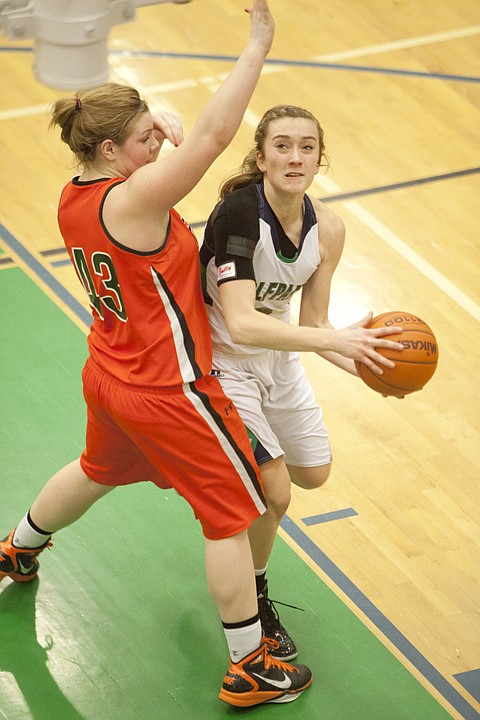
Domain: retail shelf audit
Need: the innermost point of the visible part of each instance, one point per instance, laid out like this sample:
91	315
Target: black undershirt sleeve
236	232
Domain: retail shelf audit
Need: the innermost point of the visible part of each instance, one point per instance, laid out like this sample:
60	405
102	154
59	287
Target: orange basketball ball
414	365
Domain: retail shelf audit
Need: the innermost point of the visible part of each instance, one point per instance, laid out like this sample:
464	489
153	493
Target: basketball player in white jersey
265	240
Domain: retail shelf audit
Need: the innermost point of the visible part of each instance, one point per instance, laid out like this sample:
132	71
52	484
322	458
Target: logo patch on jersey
217	374
226	271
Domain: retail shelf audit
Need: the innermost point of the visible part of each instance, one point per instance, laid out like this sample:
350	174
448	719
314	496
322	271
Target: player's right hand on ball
361	344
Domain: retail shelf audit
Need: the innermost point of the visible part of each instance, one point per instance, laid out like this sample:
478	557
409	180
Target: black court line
45	276
386	188
301	63
139	54
381	622
329	516
6	262
398	186
326	199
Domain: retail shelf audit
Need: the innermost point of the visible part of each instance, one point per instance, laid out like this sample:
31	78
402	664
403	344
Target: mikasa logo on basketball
427	347
227	270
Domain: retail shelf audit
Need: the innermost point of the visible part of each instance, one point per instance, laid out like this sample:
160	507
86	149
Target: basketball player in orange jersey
154	411
264	241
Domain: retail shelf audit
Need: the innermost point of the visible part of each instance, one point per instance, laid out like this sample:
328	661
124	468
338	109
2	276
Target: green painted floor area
119	625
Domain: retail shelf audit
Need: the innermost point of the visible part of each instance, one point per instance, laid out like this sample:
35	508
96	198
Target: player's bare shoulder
331	228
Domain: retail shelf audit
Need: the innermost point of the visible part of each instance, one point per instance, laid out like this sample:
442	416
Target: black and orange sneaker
281	645
20	564
260	678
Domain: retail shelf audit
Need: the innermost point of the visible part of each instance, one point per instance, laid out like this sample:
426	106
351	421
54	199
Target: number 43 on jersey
101	266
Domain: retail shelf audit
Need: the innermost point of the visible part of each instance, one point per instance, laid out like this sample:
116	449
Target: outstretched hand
262	24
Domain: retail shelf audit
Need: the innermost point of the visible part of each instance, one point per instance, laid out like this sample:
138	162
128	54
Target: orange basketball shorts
189	437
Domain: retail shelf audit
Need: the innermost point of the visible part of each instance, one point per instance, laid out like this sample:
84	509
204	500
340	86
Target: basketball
414	365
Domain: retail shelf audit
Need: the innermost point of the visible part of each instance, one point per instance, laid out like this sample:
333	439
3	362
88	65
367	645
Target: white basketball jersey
277	277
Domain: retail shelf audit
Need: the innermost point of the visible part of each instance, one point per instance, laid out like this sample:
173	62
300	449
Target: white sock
242	639
263	571
261	579
27	535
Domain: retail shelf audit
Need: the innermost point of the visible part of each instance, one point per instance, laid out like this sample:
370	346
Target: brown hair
105	112
248	172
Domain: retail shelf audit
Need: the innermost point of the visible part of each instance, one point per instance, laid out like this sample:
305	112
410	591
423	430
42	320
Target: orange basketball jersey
149	325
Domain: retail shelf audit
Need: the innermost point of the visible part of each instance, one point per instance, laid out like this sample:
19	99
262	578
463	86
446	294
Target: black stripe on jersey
218	420
120	245
188	342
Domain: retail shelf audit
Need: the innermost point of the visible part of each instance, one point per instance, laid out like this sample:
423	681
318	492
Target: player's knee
310	478
277	485
278	502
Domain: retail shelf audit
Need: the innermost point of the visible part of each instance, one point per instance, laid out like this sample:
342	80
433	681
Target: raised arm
157	187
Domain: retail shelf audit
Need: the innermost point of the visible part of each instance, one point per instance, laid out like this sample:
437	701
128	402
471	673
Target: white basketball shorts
277	405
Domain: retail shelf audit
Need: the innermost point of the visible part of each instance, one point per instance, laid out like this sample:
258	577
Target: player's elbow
239	334
240	331
218	139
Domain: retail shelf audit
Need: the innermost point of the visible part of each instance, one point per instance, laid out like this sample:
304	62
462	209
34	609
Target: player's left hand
168	126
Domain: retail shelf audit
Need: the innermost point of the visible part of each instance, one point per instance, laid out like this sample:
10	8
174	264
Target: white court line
331	57
404	250
168	87
24	112
399	44
328	185
390	238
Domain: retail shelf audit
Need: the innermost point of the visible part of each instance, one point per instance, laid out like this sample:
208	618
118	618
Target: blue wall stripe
399	640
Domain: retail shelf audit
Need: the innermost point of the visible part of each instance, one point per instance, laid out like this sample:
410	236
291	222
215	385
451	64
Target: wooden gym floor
384	560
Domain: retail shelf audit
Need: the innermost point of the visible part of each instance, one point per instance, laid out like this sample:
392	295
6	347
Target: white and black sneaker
281	645
260	678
